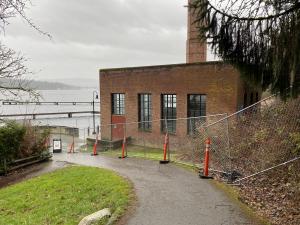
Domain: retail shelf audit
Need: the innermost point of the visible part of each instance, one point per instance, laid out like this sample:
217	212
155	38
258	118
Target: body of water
79	121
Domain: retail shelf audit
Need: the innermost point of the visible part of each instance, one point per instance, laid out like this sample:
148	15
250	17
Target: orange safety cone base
93	154
164	161
122	157
205	177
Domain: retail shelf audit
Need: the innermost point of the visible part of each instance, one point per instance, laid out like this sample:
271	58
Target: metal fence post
125	136
228	143
192	134
144	144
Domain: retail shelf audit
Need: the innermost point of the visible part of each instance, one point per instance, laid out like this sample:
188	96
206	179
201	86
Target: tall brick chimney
195	49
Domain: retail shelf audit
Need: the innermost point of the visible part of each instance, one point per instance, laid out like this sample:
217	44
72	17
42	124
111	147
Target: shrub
11	137
34	141
19	141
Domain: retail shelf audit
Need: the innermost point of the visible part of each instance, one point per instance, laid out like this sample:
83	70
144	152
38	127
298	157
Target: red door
118	127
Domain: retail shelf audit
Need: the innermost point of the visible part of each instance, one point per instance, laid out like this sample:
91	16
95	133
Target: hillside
42	85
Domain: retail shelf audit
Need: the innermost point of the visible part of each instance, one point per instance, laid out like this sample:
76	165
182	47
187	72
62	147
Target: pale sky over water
94	34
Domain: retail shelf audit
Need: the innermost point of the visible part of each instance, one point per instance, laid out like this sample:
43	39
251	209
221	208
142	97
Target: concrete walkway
167	194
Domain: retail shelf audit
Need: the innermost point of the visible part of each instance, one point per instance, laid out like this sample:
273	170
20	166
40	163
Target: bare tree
13	82
260	37
13	72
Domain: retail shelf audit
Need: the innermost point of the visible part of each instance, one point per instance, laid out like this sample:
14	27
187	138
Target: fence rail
34	115
46	103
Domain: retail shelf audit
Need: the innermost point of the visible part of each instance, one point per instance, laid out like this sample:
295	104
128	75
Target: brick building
154	93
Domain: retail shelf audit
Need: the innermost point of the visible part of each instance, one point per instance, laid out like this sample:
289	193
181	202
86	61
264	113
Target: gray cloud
93	34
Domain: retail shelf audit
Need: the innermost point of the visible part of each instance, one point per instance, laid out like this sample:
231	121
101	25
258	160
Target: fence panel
146	139
259	137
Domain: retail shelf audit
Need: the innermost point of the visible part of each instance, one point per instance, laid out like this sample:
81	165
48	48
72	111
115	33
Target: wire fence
258	149
146	139
254	139
143	139
243	144
72	132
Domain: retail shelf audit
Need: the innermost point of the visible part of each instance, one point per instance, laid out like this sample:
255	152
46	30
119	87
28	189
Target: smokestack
195	49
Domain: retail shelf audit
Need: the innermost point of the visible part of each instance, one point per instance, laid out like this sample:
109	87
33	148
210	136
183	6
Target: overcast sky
94	34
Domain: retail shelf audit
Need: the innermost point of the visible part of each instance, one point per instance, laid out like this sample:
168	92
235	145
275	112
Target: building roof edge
162	66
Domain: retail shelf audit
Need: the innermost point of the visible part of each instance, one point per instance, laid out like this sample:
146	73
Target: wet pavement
167	194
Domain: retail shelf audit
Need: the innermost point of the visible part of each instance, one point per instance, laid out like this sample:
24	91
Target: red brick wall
196	50
220	82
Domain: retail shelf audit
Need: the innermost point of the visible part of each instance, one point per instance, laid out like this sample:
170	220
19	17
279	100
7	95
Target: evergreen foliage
259	37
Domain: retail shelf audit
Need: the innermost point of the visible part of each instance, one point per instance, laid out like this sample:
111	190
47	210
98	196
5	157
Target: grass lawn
140	152
136	151
150	153
64	197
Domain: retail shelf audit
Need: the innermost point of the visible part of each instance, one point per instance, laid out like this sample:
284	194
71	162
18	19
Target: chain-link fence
255	139
146	139
75	134
143	139
258	149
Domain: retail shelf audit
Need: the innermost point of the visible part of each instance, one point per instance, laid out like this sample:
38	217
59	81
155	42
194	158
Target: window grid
169	104
118	104
145	112
196	108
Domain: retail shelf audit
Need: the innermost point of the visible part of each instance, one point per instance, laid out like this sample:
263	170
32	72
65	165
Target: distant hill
83	82
43	85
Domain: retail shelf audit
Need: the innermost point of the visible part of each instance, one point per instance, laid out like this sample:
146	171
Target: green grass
151	154
140	152
136	151
64	197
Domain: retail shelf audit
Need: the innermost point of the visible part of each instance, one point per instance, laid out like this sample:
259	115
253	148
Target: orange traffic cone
124	152
206	161
95	147
166	149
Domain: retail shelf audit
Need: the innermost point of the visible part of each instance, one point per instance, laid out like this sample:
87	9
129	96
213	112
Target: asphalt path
167	194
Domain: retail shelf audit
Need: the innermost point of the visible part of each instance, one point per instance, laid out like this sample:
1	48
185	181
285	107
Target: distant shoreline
65	89
46	85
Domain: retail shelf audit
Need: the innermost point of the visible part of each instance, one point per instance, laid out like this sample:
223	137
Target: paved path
167	194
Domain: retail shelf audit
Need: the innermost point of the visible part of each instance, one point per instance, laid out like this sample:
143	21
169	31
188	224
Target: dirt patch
30	171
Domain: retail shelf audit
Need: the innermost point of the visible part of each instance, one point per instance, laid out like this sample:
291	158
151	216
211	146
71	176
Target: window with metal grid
145	112
118	104
169	105
196	109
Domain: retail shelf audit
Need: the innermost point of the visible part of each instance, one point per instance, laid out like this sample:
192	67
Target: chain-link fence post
125	140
